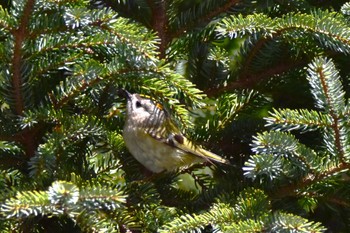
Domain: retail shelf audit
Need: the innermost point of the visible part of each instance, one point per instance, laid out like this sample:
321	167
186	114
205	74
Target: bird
154	140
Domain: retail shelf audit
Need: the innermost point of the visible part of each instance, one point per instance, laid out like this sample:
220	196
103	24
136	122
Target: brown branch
247	80
84	85
29	138
222	9
19	36
294	189
160	23
338	201
251	80
204	19
255	50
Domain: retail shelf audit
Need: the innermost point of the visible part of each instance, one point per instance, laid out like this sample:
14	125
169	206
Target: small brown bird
155	141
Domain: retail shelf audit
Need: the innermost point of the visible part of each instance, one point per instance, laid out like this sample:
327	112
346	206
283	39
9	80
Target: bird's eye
138	104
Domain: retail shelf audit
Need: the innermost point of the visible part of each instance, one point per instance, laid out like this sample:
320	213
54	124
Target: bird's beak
124	93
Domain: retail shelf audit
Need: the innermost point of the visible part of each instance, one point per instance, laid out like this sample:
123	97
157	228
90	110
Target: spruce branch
5	20
284	222
63	159
269	30
345	9
329	95
298	188
299	119
204	18
251	80
75	92
63	198
27	137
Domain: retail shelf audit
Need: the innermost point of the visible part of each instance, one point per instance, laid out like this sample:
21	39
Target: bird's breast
154	154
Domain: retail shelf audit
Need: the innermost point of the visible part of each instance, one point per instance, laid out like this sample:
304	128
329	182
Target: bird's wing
182	143
178	141
171	136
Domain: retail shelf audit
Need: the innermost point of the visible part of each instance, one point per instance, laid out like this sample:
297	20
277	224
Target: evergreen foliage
265	84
